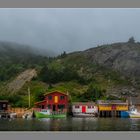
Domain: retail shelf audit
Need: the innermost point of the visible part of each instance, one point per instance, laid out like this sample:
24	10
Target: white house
84	109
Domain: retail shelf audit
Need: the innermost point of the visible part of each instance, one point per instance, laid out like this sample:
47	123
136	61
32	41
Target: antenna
29	95
67	93
130	100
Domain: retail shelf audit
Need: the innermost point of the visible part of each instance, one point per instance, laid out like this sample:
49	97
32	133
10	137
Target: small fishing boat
133	113
13	115
49	114
27	116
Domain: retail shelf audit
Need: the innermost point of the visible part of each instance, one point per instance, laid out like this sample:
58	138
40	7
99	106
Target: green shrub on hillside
52	75
93	93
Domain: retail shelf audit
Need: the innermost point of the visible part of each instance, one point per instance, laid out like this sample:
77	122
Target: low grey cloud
58	30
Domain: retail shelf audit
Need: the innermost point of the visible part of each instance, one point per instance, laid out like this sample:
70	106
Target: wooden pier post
103	113
111	113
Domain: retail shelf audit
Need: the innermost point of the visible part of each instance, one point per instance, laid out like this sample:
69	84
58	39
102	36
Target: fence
18	111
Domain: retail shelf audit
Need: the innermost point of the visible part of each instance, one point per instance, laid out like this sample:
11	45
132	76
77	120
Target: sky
56	30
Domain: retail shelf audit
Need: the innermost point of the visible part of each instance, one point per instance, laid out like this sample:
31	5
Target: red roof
40	102
54	92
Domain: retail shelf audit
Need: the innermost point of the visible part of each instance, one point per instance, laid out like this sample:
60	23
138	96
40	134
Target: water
71	124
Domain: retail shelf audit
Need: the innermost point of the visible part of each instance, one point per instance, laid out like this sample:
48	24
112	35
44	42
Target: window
42	106
4	105
49	97
62	97
89	106
77	106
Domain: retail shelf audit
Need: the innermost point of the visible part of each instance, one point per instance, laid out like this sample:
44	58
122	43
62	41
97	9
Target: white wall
88	110
78	110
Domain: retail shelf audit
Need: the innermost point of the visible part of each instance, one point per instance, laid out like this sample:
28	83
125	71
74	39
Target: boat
27	116
49	114
133	113
84	115
13	115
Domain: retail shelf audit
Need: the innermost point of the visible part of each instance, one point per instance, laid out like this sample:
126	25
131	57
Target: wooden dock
19	111
4	114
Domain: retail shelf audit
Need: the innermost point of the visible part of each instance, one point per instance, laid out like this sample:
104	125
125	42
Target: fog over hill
15	58
123	57
7	47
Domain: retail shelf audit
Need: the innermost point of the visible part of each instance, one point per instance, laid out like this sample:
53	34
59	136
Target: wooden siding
122	108
55	101
109	108
86	110
106	108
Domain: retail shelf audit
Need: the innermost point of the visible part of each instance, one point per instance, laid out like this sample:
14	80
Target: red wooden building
55	101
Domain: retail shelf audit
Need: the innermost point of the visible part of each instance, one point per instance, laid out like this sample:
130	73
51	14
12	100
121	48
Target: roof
55	91
111	102
83	103
40	102
3	101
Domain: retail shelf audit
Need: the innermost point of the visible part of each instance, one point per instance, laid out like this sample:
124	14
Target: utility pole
29	95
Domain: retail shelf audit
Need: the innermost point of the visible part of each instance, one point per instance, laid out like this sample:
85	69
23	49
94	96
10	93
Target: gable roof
54	92
40	102
4	101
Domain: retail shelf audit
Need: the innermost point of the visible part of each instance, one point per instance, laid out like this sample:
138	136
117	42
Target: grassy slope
39	88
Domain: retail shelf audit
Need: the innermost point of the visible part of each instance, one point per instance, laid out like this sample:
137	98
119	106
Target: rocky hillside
116	67
21	79
122	57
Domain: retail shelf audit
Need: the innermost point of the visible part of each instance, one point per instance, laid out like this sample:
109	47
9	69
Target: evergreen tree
64	54
131	40
93	93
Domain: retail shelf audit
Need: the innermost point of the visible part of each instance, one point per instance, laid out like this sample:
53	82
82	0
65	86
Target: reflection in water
56	124
135	124
71	124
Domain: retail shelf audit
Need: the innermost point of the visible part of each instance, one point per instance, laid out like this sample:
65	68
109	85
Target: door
113	107
55	99
54	108
83	109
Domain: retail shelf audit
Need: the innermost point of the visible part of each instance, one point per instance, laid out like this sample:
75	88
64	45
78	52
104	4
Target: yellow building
108	108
